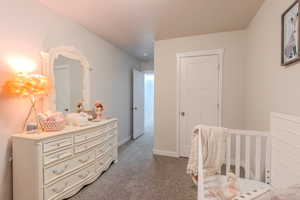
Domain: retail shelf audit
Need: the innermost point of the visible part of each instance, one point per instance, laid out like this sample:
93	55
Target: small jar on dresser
56	165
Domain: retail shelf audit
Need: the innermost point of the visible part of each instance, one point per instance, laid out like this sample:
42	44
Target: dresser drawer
103	162
84	158
111	125
86	146
58	143
88	135
61	186
104	147
101	149
111	133
60	169
111	137
50	158
54	172
99	164
110	143
108	159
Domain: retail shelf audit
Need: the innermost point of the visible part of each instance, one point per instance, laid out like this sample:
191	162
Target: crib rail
248	151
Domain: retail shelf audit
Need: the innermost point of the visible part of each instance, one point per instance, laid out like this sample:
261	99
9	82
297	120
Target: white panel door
63	94
138	103
199	96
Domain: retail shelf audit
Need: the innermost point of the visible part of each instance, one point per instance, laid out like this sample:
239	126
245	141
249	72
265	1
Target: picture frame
290	37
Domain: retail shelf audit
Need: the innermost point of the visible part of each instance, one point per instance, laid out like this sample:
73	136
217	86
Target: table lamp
31	86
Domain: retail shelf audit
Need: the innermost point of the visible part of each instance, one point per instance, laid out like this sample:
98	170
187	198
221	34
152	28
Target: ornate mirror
68	71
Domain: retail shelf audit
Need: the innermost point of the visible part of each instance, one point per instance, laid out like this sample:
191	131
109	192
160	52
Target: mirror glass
68	75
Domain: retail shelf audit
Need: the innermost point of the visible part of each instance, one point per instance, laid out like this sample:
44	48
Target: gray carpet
141	176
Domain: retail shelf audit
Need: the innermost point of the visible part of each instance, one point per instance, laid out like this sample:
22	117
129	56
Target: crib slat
200	173
237	155
247	157
258	158
228	153
268	161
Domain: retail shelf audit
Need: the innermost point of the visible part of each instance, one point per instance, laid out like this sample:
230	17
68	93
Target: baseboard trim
165	153
139	136
124	141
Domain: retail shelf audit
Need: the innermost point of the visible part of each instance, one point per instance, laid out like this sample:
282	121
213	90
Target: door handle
135	108
182	114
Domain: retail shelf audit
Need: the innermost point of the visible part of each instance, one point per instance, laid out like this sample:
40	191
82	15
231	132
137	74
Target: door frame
218	52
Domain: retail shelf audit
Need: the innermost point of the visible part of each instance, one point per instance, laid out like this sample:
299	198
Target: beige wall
268	86
27	28
165	72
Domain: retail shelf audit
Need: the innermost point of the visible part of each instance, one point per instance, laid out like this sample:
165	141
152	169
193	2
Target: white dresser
56	165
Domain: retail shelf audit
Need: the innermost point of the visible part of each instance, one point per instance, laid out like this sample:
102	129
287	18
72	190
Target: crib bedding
249	189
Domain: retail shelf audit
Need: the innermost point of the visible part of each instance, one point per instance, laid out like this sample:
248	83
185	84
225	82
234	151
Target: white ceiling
133	25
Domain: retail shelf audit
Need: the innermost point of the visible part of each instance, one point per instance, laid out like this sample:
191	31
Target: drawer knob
59	172
57	156
58	144
82	176
59	190
84	161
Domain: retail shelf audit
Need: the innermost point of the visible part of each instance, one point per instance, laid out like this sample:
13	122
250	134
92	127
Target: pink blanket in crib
292	193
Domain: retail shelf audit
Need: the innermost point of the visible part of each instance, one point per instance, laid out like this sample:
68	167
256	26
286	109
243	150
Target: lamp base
31	127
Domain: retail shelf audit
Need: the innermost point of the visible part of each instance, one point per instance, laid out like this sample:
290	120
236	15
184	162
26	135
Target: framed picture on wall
290	35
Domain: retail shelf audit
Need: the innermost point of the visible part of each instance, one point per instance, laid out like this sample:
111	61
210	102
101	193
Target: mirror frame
48	59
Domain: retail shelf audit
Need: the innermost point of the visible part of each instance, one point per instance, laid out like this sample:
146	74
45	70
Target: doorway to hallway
143	103
148	102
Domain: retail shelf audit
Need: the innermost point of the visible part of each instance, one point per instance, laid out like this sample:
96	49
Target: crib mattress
249	189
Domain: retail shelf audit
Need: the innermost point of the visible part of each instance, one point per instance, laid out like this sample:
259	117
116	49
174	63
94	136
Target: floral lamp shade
28	85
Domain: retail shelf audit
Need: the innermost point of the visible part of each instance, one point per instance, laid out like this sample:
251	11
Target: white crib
248	155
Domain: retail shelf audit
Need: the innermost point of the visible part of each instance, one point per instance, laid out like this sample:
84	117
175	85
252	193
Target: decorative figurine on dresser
99	111
54	164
